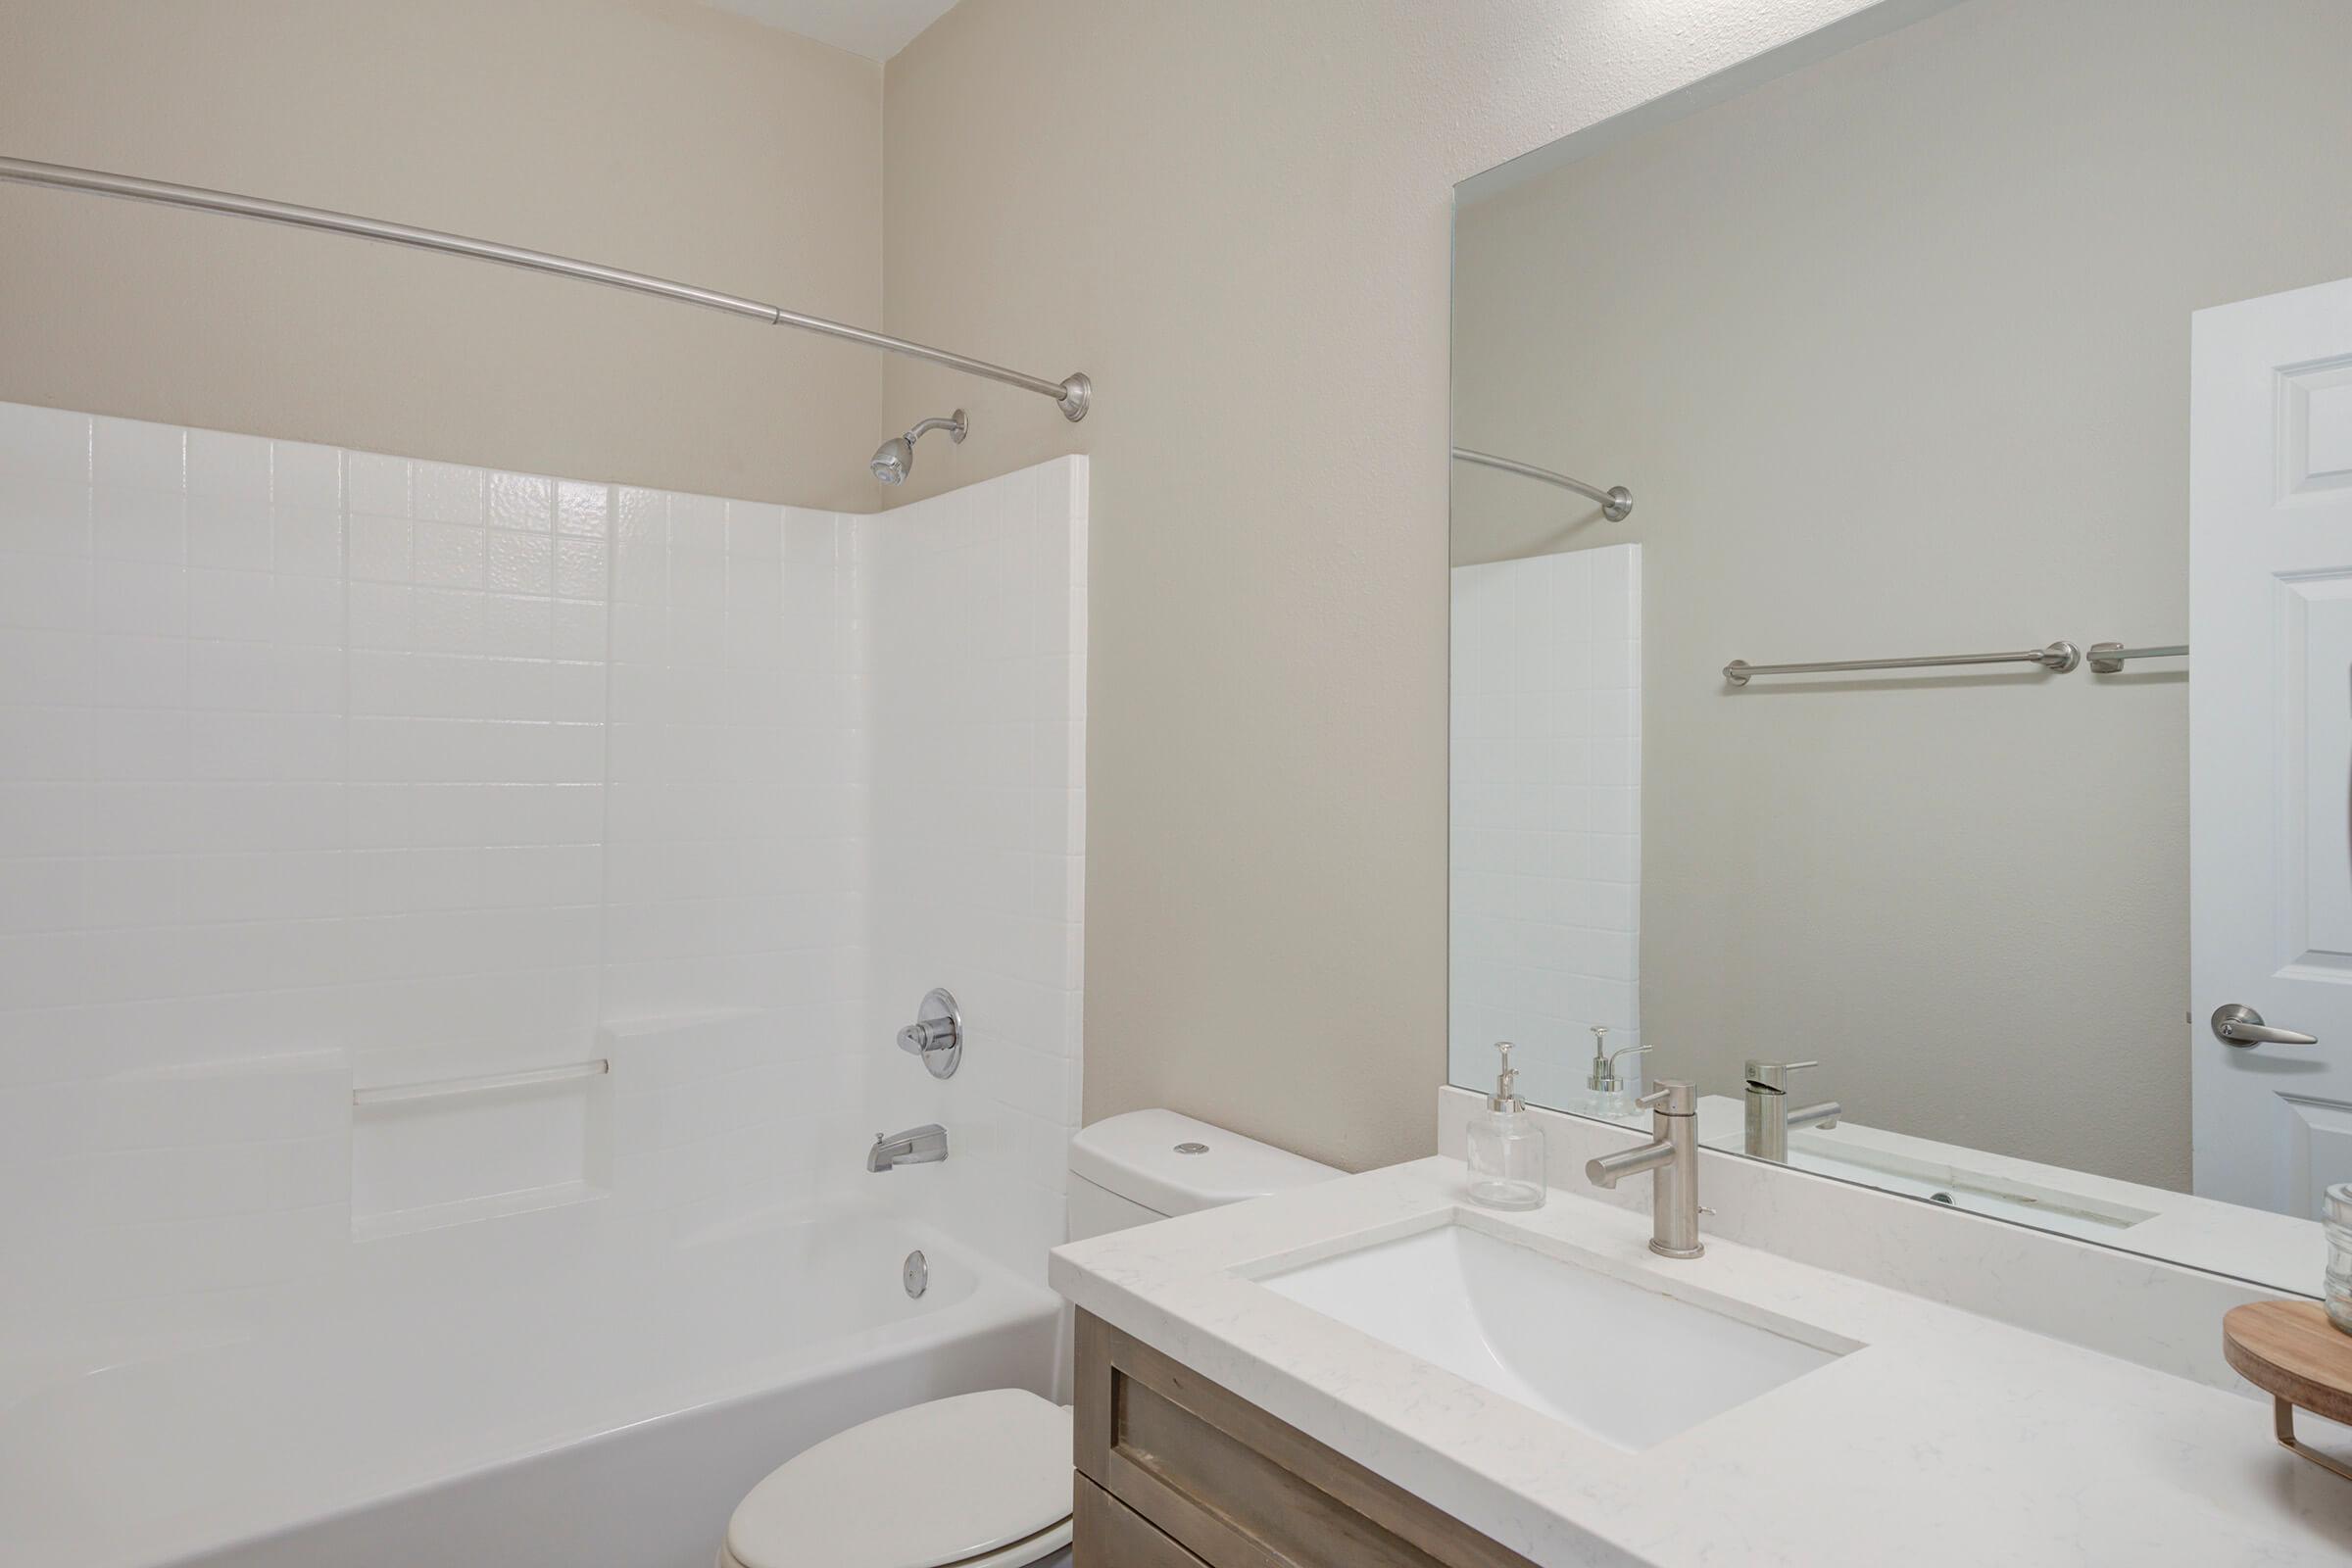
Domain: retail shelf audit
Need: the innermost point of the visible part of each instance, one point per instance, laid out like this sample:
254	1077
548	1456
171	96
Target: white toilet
1004	1503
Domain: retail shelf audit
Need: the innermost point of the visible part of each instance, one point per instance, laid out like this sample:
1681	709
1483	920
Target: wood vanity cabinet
1176	1472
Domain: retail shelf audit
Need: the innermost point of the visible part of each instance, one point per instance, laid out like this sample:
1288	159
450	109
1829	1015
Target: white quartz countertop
1946	1438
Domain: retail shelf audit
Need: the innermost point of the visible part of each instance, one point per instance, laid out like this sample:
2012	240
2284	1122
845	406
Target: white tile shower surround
1546	841
324	770
975	695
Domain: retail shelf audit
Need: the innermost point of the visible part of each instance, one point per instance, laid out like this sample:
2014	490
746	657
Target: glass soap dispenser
1506	1148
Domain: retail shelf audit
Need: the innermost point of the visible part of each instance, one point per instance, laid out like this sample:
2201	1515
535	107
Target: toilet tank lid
1135	1155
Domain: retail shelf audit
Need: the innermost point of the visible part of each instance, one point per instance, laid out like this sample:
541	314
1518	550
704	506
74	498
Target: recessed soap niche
440	1151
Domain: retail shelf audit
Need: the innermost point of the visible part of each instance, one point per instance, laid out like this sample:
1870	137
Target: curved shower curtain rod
1616	502
1073	395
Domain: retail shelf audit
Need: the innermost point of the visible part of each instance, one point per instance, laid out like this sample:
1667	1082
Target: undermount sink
1627	1364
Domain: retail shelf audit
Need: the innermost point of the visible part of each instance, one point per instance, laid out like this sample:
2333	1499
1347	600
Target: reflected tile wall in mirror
1547	814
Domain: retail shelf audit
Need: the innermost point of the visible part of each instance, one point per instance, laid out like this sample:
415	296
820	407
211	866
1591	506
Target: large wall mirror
2020	331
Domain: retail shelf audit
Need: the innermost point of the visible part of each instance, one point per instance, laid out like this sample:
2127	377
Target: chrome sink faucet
1769	1117
1673	1155
926	1145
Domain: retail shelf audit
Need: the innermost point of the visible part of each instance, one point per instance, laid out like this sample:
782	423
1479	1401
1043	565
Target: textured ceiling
875	29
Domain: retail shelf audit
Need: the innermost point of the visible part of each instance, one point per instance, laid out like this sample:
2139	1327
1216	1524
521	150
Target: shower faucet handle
936	1033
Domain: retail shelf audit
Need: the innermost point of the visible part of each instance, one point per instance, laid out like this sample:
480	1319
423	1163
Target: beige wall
1893	354
1235	216
651	135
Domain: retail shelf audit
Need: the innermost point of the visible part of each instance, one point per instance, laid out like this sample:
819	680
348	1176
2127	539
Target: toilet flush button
1192	1149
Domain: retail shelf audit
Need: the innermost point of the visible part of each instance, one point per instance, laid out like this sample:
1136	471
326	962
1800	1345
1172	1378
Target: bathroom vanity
1372	1372
1175	1471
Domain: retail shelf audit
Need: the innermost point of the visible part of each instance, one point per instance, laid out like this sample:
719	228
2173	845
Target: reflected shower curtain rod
1616	502
1073	395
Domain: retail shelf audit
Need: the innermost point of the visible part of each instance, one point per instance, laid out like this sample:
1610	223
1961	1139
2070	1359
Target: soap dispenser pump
1505	1147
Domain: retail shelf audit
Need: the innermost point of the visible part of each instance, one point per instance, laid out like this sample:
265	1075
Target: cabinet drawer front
1112	1535
1238	1488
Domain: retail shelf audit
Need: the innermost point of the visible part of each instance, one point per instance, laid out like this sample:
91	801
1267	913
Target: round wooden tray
2290	1351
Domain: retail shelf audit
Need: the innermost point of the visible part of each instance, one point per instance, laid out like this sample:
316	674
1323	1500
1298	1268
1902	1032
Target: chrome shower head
894	460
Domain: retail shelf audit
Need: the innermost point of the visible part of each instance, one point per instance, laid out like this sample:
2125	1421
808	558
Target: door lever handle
2236	1024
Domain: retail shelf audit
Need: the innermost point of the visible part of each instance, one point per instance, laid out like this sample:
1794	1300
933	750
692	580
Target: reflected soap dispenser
1506	1148
1610	1093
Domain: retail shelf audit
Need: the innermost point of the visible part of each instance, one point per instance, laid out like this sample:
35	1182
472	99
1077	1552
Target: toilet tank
1150	1165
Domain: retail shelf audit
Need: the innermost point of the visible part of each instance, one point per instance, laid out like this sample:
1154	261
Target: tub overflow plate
916	1274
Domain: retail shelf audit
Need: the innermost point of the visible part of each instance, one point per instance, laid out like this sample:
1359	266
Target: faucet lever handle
1673	1097
1773	1074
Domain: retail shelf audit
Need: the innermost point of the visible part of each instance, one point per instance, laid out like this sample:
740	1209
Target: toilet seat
1020	1554
977	1480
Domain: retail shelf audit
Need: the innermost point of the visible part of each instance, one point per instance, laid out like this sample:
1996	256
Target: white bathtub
507	1392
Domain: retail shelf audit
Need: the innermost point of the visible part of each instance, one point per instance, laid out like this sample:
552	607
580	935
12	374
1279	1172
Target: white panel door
2270	743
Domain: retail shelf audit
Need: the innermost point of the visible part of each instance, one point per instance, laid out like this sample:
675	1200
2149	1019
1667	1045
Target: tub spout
926	1145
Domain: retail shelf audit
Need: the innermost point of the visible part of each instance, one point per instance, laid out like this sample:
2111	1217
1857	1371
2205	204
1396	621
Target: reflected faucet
926	1145
1769	1117
1673	1156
